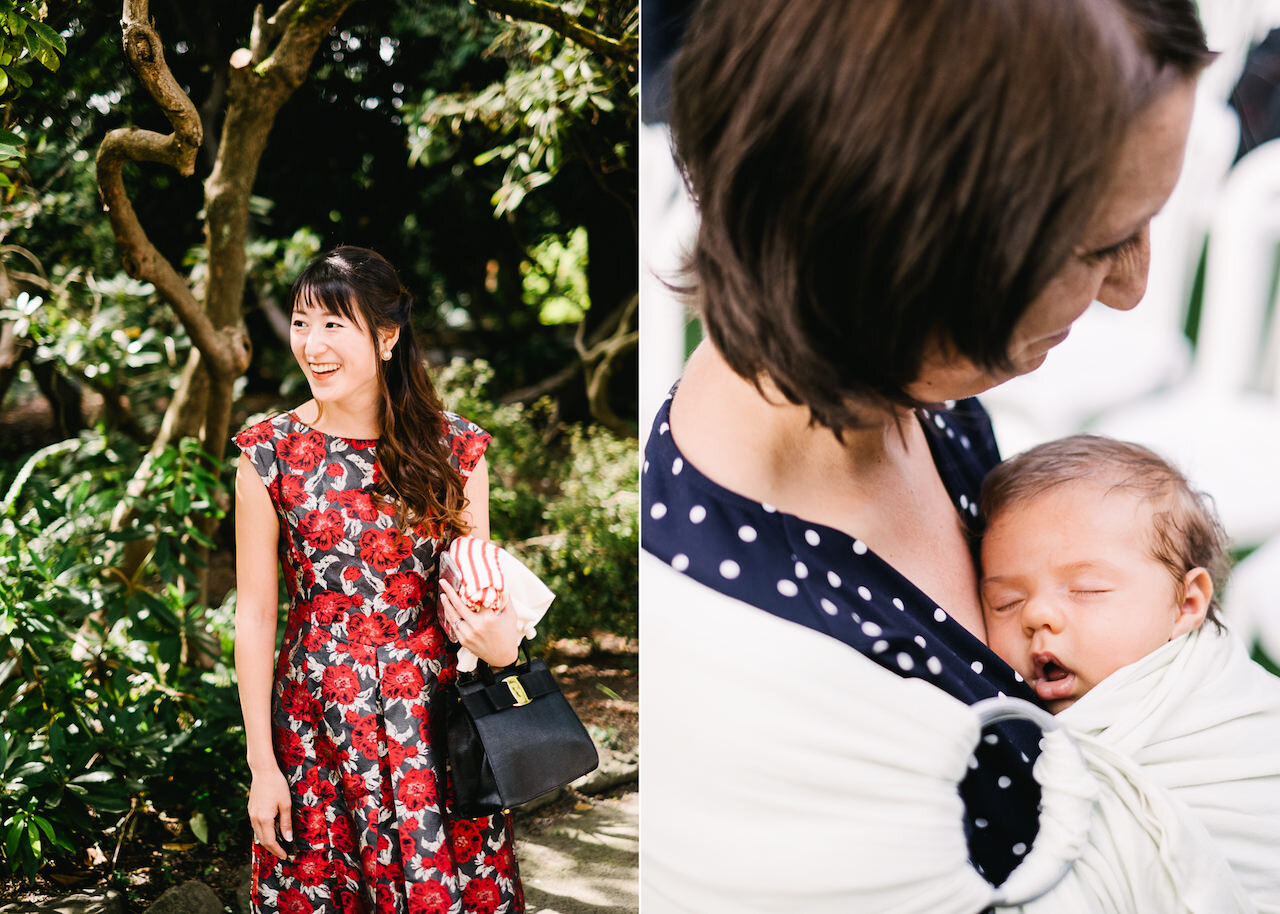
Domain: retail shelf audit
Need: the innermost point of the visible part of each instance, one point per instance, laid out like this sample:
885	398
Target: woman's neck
335	417
762	446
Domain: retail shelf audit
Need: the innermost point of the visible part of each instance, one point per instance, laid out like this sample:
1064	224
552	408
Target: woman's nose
1126	282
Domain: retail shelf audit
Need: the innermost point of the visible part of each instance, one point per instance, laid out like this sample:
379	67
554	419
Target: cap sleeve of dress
258	442
466	442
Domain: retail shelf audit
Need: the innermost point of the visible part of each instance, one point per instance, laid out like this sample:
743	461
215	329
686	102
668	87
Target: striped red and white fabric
483	583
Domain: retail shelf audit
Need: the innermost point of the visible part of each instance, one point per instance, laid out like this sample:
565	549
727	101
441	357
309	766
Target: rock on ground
189	898
107	902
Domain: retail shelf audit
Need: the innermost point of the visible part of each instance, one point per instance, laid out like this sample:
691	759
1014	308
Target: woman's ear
1196	595
387	340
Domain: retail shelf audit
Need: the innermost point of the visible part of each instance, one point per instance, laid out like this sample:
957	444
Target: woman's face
1109	265
337	355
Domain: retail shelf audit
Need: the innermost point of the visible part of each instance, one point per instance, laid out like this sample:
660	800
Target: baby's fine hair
1186	532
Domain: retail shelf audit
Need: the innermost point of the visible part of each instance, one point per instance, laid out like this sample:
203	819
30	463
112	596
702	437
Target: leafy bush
102	708
565	501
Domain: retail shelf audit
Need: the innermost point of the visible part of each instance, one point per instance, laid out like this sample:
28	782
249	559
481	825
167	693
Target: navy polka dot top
822	578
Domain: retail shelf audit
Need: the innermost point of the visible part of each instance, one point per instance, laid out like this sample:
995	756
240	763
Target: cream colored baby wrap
784	771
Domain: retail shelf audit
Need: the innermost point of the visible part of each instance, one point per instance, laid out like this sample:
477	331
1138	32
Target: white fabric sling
784	771
1195	725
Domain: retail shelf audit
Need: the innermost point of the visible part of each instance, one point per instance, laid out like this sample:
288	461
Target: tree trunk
261	79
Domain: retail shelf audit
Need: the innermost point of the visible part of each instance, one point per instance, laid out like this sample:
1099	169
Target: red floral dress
355	728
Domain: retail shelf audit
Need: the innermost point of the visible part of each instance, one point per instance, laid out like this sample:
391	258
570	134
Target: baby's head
1096	552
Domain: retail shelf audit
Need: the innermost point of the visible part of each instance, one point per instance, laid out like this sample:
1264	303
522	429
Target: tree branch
620	50
598	361
141	260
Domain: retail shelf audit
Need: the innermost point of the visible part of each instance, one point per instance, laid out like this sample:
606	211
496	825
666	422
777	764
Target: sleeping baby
1098	570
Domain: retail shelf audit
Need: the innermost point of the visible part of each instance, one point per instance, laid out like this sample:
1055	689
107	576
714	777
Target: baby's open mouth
1052	681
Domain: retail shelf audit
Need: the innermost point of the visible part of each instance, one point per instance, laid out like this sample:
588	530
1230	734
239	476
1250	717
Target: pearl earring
386	356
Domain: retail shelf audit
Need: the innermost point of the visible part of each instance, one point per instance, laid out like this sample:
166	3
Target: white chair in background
668	227
1222	425
1114	357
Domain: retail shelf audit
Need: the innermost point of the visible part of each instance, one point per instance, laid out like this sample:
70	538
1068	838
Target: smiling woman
354	494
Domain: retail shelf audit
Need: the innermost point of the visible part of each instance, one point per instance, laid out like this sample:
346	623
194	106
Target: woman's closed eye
1115	251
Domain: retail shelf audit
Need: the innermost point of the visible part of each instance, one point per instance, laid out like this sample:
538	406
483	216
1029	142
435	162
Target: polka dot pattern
836	584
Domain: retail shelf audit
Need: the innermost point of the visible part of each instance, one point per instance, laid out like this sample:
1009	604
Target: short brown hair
1186	532
876	176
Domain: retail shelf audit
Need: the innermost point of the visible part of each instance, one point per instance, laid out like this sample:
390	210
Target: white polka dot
905	662
646	467
811	537
964	441
880	646
664	428
747	533
973	508
898	603
934	665
828	606
657	510
788	588
1019	849
871	630
1024	757
802	570
768	507
676	466
991	739
973	762
964	501
950	433
980	823
859	547
976	666
856	618
833	579
939	615
1000	694
937	420
697	514
1003	781
919	639
729	569
1017	676
949	404
864	593
680	561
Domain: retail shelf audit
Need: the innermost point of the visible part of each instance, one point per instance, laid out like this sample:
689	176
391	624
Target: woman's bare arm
257	533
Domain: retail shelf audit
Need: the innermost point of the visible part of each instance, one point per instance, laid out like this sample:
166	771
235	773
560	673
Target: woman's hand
489	634
269	799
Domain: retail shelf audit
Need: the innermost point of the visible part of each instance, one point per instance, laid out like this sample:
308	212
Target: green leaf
200	827
94	777
50	37
181	500
11	842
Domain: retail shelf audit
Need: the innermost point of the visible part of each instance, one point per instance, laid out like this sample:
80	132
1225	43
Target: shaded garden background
490	158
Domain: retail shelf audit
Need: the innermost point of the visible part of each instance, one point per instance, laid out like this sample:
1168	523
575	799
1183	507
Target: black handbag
512	736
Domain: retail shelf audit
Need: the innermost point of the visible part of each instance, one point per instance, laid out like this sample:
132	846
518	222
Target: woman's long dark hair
361	286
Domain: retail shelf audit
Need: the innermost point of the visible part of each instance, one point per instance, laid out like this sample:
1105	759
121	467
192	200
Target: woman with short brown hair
902	205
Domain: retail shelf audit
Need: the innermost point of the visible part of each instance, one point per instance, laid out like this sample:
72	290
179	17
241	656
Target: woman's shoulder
264	430
466	440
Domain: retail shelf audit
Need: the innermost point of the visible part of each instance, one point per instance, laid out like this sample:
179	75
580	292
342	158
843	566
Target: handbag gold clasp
517	691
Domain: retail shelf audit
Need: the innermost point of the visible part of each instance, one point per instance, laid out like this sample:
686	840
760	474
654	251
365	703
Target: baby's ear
1197	594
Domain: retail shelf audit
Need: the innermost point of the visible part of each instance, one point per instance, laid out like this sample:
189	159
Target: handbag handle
1068	792
486	673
